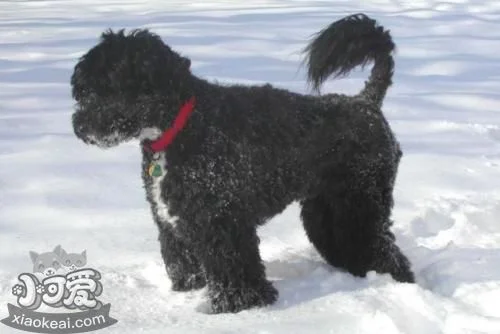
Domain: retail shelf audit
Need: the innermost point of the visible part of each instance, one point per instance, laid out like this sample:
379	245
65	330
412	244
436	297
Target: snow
443	107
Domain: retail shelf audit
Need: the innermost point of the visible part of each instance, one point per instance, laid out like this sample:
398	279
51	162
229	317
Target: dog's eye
55	264
79	262
68	262
41	267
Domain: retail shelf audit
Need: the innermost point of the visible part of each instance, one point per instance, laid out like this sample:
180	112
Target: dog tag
154	170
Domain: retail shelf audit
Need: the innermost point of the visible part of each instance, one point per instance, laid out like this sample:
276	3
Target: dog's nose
81	130
80	133
78	127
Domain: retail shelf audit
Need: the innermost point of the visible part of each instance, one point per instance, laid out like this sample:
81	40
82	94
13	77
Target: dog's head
126	84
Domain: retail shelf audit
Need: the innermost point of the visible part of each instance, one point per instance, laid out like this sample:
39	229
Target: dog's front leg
228	250
183	268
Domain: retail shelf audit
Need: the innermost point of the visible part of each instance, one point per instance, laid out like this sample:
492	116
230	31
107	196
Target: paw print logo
28	291
40	289
18	290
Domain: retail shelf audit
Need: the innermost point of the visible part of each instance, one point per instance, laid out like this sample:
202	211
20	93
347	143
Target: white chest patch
149	133
161	207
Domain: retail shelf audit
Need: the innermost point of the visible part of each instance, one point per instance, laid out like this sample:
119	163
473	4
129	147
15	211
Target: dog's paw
193	282
404	276
402	272
238	299
395	263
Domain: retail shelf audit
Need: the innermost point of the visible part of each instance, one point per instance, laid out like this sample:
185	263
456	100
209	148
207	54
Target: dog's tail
352	41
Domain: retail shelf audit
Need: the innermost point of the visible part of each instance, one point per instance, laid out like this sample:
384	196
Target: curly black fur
249	151
352	41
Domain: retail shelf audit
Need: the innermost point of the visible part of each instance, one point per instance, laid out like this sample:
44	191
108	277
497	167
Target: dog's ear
186	63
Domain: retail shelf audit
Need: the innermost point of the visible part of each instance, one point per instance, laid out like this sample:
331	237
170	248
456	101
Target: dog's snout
79	127
79	131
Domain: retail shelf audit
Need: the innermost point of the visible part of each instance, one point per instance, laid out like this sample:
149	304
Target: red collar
168	136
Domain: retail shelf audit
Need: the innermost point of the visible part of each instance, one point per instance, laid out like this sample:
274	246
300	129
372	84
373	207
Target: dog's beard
108	141
102	139
116	138
105	125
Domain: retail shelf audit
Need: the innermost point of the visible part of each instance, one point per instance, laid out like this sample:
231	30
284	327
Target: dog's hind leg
183	268
348	223
229	251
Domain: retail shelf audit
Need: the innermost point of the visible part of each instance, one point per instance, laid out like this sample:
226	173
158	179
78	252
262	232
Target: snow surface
444	107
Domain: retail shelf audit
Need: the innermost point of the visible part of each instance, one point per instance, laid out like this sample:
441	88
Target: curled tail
349	42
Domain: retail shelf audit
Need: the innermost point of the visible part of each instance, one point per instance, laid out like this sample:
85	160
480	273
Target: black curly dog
246	152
